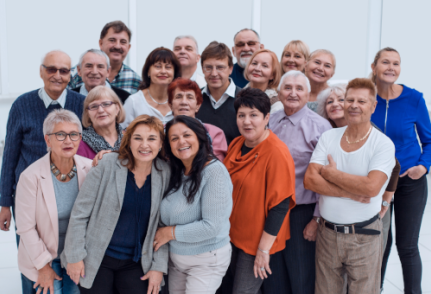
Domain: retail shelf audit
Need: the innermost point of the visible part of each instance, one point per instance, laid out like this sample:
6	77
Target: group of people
257	177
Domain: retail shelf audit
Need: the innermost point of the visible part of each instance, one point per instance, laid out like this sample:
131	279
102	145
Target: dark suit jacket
122	94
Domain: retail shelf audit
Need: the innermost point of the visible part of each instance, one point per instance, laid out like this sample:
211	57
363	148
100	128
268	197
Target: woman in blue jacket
400	112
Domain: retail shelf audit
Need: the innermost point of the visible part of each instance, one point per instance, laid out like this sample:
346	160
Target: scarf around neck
97	142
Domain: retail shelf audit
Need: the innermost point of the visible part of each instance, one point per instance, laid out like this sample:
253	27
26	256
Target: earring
160	149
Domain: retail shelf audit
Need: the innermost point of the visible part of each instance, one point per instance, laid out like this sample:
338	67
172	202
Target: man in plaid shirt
115	42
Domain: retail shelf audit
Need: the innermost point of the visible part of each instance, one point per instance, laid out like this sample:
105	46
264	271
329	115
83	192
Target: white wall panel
337	25
406	27
35	27
160	22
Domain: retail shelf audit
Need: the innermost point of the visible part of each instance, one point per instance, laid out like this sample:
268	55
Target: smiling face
145	143
115	45
217	79
260	70
55	84
186	52
93	70
184	143
103	117
388	67
246	43
358	106
335	107
66	148
161	73
320	68
251	124
293	94
184	103
293	59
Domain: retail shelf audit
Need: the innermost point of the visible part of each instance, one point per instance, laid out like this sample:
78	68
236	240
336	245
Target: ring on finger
262	269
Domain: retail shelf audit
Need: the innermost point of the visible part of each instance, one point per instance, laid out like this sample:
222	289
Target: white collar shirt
83	90
230	92
48	100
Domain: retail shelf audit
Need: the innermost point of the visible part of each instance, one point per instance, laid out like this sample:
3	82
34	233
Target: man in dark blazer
94	69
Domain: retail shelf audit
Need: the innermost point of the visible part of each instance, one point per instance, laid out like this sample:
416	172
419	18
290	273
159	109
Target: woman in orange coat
263	176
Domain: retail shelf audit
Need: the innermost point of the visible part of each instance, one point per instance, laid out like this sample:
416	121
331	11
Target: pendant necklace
357	141
155	101
56	172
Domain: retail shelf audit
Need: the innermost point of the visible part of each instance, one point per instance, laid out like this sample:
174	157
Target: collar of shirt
230	92
297	116
83	90
195	74
48	100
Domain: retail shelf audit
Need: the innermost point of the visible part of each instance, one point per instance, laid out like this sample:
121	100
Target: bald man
25	142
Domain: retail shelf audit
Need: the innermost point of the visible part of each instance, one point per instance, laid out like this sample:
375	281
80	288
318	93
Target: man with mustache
300	129
115	42
246	42
187	52
24	137
94	68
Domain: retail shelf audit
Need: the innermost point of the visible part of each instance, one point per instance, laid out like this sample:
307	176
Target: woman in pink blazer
45	195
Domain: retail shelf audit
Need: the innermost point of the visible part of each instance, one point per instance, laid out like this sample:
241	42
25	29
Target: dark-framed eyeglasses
94	107
53	70
61	136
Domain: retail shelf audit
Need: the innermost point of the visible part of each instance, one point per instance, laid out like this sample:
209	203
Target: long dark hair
203	155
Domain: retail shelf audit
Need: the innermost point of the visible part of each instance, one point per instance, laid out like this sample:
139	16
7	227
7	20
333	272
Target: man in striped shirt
115	42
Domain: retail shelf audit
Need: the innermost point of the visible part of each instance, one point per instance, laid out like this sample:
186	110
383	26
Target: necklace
155	101
357	141
56	172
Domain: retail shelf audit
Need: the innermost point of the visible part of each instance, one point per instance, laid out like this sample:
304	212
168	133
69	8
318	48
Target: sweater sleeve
216	206
423	127
13	143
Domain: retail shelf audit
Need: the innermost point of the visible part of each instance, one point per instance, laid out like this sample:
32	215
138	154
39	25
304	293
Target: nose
290	58
214	71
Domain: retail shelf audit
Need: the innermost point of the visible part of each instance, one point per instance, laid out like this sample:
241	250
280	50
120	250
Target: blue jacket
404	114
24	142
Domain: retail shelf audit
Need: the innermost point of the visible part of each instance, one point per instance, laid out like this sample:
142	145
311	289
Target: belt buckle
346	228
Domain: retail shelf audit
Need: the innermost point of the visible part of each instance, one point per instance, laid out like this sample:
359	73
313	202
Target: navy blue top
404	114
24	142
237	76
132	225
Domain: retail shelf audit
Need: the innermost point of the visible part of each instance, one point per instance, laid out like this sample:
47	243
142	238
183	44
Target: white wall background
350	29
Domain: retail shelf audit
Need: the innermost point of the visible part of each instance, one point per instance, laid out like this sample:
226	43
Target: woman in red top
263	176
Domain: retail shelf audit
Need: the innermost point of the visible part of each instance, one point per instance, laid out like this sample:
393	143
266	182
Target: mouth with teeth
318	74
184	148
144	152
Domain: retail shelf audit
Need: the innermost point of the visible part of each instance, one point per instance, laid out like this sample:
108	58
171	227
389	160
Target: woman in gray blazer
109	242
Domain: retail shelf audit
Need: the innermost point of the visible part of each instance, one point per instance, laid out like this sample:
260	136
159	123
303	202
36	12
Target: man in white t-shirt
350	168
187	52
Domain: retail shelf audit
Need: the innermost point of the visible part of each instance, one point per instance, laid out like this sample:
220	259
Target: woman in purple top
103	113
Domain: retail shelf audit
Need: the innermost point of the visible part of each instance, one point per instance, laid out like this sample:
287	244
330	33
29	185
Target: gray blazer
96	211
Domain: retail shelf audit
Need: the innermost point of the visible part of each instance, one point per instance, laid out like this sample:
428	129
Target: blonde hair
322	97
97	93
272	84
300	46
376	59
323	51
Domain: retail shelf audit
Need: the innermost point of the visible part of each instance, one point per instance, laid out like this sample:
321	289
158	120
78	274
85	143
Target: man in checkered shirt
115	42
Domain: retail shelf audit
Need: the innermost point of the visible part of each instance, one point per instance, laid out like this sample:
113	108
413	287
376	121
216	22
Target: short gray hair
95	51
246	29
50	52
188	37
59	116
294	73
338	89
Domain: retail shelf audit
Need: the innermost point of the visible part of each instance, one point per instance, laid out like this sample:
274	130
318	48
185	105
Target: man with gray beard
246	42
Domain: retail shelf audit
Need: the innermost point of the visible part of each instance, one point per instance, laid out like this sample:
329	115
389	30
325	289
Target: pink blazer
219	141
36	214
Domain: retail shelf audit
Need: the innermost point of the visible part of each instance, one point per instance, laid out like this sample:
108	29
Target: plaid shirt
126	79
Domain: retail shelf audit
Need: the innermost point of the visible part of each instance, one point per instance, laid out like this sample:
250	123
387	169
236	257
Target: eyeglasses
249	43
219	68
53	70
105	104
61	136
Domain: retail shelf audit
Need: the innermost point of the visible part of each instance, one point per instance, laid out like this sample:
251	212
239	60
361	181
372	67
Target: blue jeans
66	285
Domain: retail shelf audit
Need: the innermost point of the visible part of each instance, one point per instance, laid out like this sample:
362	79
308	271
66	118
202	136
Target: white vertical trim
256	15
133	24
4	82
375	12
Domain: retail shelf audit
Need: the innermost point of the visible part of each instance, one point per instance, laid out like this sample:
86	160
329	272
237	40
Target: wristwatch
317	219
385	203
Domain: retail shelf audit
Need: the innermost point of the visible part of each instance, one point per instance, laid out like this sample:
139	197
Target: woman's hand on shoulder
154	281
76	270
45	280
99	156
415	172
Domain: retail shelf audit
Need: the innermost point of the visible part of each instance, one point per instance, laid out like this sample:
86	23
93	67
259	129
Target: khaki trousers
360	256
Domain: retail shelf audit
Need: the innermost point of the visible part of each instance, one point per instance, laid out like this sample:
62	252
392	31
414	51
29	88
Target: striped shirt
126	79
